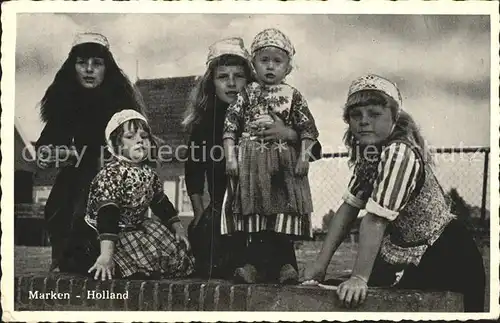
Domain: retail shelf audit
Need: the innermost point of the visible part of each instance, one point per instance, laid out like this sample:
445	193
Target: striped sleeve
355	194
398	172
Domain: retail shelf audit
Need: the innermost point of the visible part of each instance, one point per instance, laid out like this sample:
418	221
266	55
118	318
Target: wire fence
465	169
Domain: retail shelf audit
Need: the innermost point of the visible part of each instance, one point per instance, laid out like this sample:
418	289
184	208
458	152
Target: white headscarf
227	46
116	121
95	38
378	83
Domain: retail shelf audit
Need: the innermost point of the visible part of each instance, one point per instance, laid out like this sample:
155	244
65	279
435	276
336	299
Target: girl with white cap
86	91
272	193
408	238
228	72
119	198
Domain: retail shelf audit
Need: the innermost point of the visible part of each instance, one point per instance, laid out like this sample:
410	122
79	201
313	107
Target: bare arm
229	150
306	142
231	157
168	215
302	167
353	291
107	248
338	228
104	265
107	226
370	237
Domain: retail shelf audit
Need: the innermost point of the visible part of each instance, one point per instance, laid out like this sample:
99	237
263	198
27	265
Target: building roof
166	100
24	151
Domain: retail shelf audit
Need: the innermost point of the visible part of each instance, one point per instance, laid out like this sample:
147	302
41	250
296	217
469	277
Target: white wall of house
176	192
41	194
24	152
183	201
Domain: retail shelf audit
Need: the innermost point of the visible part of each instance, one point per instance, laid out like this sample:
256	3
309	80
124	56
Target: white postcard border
9	12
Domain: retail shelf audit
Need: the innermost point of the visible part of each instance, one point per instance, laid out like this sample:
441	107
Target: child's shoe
246	274
288	275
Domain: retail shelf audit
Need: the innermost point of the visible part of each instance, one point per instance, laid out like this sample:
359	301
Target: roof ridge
158	79
166	99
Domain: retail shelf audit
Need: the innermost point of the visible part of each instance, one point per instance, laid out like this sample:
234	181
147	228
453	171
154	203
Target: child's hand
180	234
103	266
353	291
232	167
277	130
196	217
312	273
302	166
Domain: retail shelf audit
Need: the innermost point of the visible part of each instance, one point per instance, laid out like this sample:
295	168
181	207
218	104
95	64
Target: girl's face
90	71
271	65
370	124
136	143
229	81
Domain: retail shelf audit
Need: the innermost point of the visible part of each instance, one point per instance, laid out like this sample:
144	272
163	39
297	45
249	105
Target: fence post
485	185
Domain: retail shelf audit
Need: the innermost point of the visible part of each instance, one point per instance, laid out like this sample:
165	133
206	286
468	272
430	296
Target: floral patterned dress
144	245
268	195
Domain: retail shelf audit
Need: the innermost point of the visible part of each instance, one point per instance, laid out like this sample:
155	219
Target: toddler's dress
269	195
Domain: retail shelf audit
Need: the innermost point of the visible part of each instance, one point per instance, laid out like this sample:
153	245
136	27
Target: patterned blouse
132	188
399	186
255	102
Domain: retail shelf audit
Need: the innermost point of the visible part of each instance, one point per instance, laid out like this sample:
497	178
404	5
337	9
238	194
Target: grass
36	260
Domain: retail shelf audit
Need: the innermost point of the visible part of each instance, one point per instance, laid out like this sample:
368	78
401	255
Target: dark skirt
216	255
452	263
74	244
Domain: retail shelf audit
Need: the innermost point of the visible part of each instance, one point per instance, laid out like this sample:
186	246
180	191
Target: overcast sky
442	63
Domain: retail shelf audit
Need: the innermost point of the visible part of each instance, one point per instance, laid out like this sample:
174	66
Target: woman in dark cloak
87	90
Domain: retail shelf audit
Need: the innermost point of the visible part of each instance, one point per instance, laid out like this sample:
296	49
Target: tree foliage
459	207
326	220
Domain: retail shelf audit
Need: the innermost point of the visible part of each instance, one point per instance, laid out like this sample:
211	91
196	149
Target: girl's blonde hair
405	128
203	94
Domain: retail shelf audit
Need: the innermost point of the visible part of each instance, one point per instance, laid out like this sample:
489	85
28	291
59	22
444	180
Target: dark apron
216	256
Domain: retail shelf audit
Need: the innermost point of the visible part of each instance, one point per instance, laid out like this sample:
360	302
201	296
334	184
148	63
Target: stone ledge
216	295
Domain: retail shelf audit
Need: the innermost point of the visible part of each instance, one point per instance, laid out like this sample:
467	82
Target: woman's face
90	71
370	124
229	81
136	143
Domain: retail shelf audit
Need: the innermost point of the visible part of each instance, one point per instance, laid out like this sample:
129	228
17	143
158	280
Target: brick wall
217	295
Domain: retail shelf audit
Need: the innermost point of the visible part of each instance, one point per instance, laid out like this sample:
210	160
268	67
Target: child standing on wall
272	200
